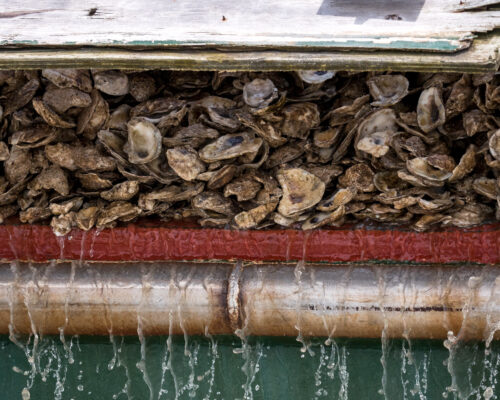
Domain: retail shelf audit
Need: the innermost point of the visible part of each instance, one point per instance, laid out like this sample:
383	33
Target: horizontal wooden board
482	56
420	25
149	241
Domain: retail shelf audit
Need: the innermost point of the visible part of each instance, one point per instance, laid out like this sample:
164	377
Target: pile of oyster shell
249	150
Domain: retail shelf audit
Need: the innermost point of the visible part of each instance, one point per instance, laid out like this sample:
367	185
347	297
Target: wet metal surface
256	299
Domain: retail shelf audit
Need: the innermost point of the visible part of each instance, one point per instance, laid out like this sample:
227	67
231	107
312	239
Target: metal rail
413	301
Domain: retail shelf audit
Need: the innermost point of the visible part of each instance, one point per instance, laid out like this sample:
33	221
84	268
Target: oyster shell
315	77
259	93
213	201
121	191
301	191
430	110
230	146
62	99
144	141
185	162
244	188
18	165
114	83
51	178
494	144
65	78
422	167
376	131
299	119
387	90
359	177
78	157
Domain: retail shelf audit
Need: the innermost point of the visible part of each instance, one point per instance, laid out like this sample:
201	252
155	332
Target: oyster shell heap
95	148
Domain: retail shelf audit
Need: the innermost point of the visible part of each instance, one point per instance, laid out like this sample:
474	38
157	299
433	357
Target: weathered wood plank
426	25
474	4
482	56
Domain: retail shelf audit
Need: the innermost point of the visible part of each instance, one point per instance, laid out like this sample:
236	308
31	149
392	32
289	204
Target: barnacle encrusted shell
430	110
144	141
259	93
301	191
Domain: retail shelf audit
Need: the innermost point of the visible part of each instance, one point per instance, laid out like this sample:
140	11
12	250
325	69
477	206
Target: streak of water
141	365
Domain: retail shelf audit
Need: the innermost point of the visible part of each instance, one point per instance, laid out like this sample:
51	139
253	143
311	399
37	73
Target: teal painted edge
434	44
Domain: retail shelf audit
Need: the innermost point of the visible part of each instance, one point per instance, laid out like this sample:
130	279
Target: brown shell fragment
142	86
324	218
52	178
230	146
252	218
244	188
93	181
18	165
387	90
213	201
74	157
64	78
86	218
117	210
486	187
65	207
121	191
340	198
326	139
359	176
62	99
62	224
475	121
114	83
36	135
4	151
469	215
430	110
34	214
301	191
466	164
194	135
185	162
222	177
50	116
299	119
460	97
7	211
421	167
21	97
94	117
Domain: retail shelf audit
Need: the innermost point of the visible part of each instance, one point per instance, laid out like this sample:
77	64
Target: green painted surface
381	43
269	369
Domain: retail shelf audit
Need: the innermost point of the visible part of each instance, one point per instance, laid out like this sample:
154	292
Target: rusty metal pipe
251	299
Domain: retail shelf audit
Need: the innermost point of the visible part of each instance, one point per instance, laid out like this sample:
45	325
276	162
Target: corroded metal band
220	298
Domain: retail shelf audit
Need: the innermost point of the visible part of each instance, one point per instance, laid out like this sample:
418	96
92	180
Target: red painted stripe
151	242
